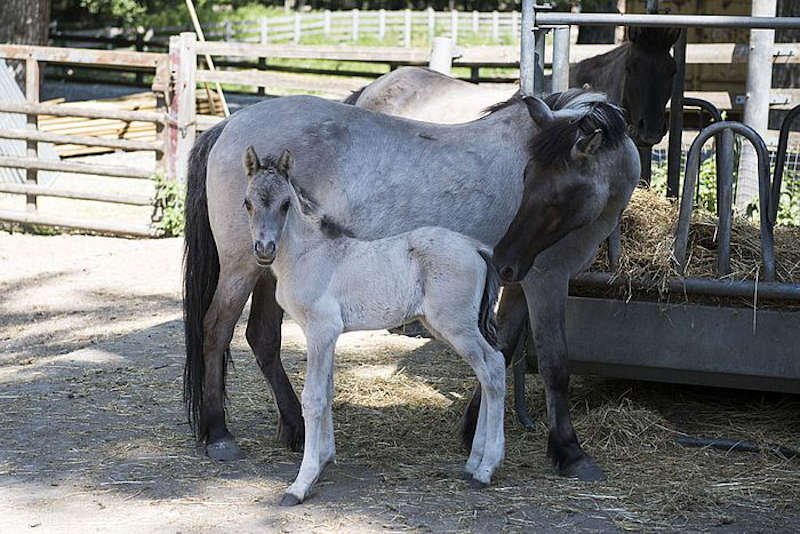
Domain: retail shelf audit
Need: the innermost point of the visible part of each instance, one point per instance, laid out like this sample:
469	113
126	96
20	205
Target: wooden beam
78	168
283	81
53	54
47	137
81	224
42	191
387	54
90	113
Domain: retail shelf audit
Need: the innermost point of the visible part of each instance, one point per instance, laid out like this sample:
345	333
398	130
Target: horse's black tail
200	274
486	318
353	98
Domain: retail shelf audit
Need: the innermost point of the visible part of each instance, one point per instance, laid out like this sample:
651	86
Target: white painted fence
398	27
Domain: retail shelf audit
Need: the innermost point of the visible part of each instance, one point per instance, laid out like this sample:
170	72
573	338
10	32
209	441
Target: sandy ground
93	436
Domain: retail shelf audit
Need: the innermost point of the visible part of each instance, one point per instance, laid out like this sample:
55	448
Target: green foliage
168	215
706	196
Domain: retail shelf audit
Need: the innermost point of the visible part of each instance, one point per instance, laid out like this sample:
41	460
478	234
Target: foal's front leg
317	397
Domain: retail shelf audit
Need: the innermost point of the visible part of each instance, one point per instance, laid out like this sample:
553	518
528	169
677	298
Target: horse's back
426	95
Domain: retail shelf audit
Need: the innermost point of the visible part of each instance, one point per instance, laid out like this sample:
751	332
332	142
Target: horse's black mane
552	145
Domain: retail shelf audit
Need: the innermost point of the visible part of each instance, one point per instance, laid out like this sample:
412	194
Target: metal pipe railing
680	21
764	194
724	151
780	162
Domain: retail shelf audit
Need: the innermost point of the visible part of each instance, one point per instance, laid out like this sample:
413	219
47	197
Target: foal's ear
285	162
587	145
540	112
251	163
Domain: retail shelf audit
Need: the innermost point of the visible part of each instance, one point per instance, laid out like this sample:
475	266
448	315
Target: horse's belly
380	295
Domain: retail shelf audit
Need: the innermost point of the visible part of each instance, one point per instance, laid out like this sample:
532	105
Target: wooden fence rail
32	136
400	27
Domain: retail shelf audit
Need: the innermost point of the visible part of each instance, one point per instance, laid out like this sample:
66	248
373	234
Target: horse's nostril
507	273
270	248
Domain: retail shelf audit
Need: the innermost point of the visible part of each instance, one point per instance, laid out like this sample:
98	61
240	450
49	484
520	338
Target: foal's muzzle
264	252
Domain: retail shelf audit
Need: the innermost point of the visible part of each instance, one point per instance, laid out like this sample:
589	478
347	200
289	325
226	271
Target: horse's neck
605	72
299	237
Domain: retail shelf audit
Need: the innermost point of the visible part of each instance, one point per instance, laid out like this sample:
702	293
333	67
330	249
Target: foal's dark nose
264	251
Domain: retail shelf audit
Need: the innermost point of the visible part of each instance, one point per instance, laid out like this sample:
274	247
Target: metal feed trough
717	345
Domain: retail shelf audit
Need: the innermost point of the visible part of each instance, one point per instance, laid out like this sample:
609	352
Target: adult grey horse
380	175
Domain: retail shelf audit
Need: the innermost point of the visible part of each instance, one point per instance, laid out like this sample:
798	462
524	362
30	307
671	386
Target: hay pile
648	232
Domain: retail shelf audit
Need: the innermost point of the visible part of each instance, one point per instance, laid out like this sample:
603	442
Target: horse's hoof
584	468
289	500
290	434
224	450
476	484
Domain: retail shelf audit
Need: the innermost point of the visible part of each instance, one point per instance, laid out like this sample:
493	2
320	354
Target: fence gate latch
782	52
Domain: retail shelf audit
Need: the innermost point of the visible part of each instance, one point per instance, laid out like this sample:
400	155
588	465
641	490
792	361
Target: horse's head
267	202
562	191
649	70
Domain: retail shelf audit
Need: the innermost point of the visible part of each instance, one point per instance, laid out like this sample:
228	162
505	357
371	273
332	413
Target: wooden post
454	26
263	39
381	24
475	22
326	23
139	48
514	24
407	29
442	55
619	31
297	29
182	112
355	25
431	23
495	26
228	30
264	30
32	96
756	110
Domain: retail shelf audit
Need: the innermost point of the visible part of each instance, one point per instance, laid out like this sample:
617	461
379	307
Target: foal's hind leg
264	336
230	296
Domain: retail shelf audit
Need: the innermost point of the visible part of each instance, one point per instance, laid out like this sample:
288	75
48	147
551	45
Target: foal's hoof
291	433
289	500
476	484
584	468
224	450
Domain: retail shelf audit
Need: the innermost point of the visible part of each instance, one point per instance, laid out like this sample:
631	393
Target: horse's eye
247	205
285	206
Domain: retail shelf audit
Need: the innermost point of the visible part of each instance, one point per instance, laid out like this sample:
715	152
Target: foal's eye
285	206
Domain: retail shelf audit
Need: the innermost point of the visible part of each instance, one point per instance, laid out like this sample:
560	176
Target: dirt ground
93	436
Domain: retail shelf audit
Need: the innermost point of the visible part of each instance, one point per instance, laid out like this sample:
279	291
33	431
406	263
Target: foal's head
563	188
649	70
267	201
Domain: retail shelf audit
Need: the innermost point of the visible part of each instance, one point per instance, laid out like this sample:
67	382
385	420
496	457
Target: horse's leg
512	317
226	307
264	336
317	399
546	292
520	367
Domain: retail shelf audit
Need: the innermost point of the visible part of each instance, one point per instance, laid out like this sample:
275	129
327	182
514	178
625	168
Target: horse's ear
539	111
285	162
251	163
587	145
